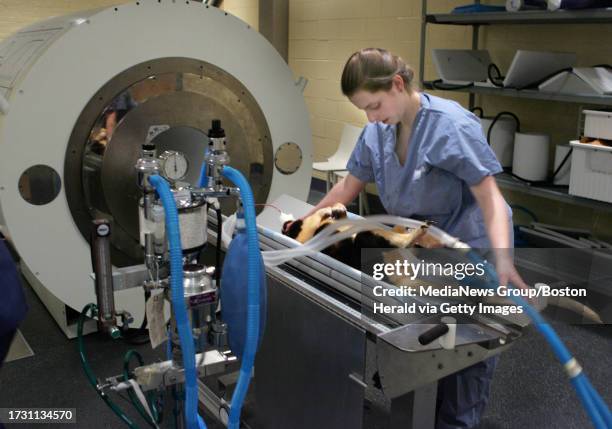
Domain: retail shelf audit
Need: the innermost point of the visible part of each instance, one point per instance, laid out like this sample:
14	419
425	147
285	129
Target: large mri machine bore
180	65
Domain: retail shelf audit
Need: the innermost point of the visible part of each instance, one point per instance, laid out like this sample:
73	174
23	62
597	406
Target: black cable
496	118
495	80
499	79
435	84
550	180
562	164
147	294
530	182
140	335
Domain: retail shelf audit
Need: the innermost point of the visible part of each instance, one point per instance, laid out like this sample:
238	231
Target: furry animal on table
350	249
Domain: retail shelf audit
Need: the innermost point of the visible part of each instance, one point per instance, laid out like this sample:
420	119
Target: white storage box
591	173
598	124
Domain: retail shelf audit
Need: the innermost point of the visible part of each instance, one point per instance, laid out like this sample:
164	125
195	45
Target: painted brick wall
322	34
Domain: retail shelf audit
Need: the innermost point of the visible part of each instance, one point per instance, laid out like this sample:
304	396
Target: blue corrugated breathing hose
594	405
253	276
192	418
202	181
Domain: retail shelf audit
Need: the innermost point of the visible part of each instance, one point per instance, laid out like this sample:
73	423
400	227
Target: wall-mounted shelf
603	100
506	181
589	16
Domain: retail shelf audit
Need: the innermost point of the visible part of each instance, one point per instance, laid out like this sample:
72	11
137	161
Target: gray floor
529	389
19	348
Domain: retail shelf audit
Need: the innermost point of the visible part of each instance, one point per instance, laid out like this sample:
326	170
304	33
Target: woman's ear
398	83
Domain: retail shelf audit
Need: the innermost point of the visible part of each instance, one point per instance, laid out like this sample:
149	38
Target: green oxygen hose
126	376
91	377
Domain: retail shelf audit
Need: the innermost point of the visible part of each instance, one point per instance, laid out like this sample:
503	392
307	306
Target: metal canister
196	279
192	219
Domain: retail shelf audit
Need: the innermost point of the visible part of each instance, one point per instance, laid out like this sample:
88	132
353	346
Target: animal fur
349	250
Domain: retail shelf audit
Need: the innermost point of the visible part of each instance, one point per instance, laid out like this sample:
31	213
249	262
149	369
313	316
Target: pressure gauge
174	165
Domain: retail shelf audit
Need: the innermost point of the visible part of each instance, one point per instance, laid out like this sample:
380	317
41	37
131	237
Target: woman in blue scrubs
430	160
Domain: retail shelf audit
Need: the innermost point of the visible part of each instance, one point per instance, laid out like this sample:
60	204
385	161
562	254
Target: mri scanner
182	65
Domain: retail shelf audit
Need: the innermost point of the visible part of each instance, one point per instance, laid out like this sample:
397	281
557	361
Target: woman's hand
507	273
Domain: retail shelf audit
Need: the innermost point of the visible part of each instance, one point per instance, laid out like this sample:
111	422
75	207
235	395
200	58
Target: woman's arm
496	220
345	191
493	208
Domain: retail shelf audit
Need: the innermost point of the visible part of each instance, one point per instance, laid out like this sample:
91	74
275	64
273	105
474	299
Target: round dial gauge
174	165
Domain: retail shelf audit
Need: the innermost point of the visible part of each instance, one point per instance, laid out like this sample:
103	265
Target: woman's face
382	106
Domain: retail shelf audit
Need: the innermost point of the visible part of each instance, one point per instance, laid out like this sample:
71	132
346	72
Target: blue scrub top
447	154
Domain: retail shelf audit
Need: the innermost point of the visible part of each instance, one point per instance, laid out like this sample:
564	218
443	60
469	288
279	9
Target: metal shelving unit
506	181
602	100
591	16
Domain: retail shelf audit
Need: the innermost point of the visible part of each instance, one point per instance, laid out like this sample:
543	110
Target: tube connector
572	368
114	332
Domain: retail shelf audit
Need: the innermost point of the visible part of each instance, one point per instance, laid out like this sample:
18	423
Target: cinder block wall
322	34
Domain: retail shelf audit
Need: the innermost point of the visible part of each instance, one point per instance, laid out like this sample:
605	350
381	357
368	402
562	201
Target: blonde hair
373	69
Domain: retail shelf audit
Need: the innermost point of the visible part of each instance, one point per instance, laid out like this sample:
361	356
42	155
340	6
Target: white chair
364	207
337	162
